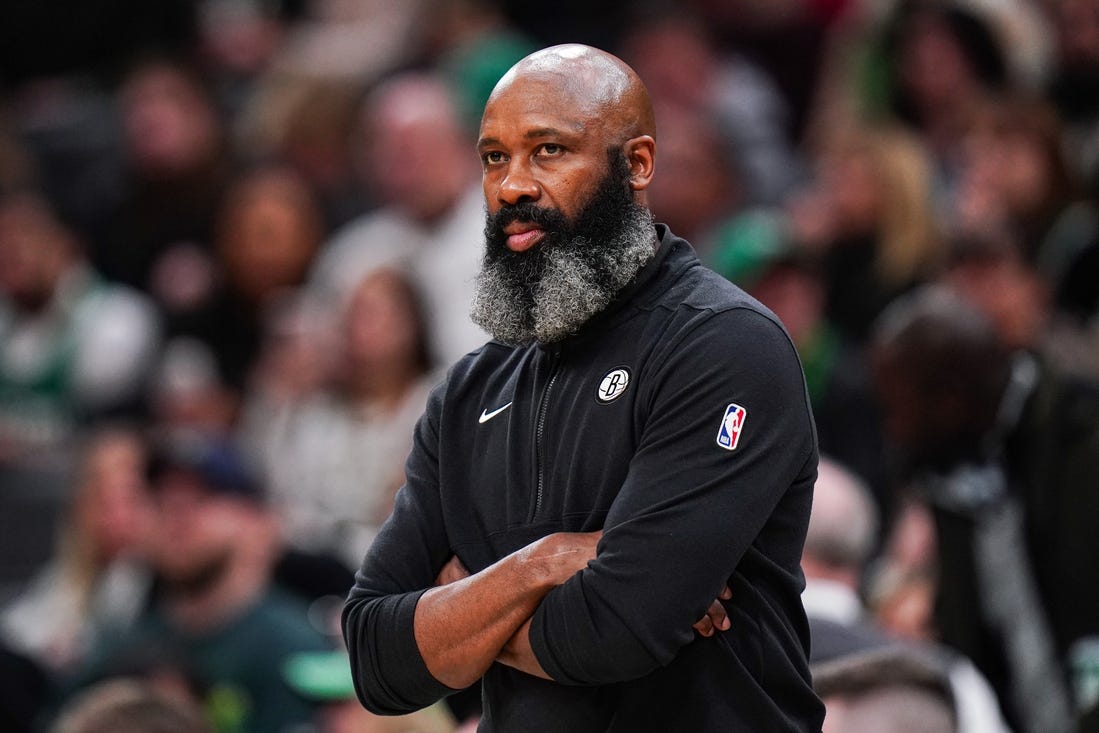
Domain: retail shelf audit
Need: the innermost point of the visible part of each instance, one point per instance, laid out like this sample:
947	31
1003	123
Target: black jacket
626	426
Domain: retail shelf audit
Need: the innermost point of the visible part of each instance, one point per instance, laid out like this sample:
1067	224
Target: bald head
554	116
591	82
843	525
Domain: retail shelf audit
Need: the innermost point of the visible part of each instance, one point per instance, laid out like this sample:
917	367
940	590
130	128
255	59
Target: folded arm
517	653
690	508
462	626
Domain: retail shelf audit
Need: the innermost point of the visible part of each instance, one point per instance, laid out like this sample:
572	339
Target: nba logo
731	425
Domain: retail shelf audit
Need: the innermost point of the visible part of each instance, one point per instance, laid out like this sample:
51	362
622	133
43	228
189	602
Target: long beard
547	293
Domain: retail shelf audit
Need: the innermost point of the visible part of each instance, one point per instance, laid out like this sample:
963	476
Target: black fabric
682	516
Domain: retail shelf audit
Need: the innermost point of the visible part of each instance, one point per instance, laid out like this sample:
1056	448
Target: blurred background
237	244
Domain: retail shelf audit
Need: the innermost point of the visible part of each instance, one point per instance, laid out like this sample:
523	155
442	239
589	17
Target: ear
641	155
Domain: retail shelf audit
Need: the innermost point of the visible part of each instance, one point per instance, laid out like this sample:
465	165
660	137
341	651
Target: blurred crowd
238	241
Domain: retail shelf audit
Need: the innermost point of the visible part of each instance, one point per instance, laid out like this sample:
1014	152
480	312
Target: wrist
557	557
539	564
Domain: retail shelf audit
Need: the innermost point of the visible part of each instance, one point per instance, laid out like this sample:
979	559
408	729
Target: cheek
571	192
489	186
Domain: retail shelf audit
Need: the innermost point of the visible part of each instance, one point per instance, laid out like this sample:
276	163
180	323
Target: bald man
634	443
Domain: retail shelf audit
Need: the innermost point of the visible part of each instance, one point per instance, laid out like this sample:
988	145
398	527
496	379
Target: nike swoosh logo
486	415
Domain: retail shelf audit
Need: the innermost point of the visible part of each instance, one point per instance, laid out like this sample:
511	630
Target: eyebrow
534	134
546	132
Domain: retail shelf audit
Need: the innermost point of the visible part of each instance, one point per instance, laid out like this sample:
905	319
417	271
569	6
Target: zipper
539	432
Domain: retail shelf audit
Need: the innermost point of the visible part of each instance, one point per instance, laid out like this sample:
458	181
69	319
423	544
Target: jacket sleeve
690	508
403	561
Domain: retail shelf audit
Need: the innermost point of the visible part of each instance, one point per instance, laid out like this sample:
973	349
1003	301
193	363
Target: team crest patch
731	426
613	385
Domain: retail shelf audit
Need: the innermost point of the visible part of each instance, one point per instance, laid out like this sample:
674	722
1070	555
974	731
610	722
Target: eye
551	149
493	157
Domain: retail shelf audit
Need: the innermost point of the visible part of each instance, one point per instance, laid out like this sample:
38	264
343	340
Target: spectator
838	547
685	69
131	706
943	63
869	216
159	234
432	209
72	346
1014	174
268	229
699	187
98	580
842	537
308	124
216	610
988	268
335	458
889	690
1003	450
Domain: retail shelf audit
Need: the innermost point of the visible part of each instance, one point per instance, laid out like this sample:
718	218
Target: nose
518	186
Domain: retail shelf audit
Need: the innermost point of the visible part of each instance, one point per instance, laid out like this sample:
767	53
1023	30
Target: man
839	544
890	689
1004	451
217	614
417	152
133	706
73	347
581	466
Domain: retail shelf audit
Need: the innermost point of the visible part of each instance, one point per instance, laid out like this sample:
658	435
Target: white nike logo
486	415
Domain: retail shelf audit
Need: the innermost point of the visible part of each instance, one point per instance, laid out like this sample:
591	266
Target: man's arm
462	626
692	515
410	643
517	653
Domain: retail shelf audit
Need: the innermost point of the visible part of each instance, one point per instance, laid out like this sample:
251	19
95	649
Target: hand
715	618
452	572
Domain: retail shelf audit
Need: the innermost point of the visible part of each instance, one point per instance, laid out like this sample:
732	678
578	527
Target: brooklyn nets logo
613	385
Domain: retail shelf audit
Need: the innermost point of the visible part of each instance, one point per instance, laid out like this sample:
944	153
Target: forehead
543	99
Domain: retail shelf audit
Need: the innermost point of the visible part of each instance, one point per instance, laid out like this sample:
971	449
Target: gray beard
580	279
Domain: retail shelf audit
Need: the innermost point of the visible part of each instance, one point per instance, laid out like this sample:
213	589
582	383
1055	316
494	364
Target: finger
725	593
704	626
718	616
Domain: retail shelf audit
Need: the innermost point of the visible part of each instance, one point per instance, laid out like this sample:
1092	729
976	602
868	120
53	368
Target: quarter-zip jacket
678	422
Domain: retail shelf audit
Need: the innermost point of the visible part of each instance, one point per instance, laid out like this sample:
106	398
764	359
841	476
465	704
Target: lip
522	235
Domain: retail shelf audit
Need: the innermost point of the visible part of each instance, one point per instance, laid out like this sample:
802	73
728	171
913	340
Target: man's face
538	146
197	531
32	253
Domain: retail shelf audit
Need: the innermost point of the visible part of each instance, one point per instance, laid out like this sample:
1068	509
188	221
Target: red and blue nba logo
731	426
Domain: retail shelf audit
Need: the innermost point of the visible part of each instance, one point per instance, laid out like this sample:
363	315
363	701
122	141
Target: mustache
550	220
